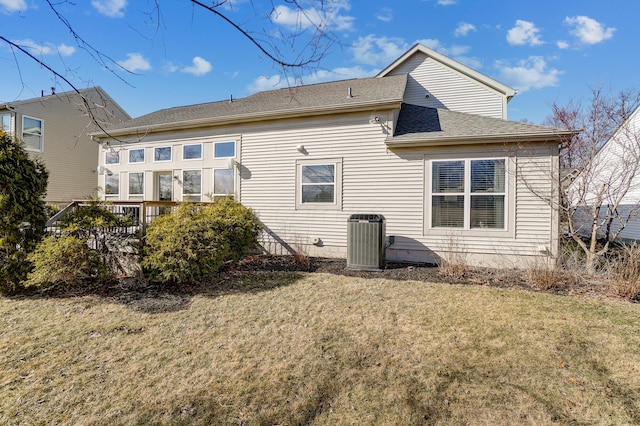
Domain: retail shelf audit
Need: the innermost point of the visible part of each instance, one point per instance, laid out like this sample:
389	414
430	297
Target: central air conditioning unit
366	238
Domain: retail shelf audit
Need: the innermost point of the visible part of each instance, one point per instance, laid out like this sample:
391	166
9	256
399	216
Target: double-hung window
319	184
468	193
32	133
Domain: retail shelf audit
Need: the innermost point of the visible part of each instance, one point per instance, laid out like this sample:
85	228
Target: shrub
23	184
66	261
194	241
624	271
92	245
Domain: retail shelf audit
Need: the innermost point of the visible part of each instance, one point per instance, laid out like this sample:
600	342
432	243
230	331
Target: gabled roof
315	99
451	63
423	126
66	95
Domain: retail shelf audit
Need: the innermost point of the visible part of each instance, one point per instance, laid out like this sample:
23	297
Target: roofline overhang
249	118
478	139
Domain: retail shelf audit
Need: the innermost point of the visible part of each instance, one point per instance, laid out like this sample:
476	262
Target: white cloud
65	50
43	49
10	6
463	29
589	31
329	17
446	2
278	82
453	51
385	15
200	67
372	50
110	8
135	62
562	44
531	73
524	33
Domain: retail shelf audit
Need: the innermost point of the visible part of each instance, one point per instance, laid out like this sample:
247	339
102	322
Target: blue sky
550	51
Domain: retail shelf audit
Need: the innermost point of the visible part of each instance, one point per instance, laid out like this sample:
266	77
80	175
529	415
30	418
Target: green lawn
320	349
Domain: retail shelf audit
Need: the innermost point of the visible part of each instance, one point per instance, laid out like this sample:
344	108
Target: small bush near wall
91	245
194	241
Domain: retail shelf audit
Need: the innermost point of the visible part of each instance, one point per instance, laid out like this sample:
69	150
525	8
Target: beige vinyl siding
448	88
69	154
375	179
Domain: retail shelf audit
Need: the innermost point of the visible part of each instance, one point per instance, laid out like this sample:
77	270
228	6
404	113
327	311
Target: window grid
468	194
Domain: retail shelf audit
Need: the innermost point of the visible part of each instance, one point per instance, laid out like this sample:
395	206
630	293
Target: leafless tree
600	167
296	50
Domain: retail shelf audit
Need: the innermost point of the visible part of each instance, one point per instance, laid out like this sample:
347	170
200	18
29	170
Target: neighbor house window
32	133
136	184
318	184
192	185
224	149
111	157
223	182
5	123
468	194
192	152
162	153
136	155
112	185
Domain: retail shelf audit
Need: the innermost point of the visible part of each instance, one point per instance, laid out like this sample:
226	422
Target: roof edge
508	91
475	139
248	118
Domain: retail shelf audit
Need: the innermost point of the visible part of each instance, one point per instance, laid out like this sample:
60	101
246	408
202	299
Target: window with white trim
224	149
136	184
162	153
32	133
223	182
469	193
136	155
318	184
5	123
112	185
192	152
192	185
111	156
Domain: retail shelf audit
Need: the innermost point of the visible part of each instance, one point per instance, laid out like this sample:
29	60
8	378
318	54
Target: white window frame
192	144
41	133
114	194
155	148
107	152
144	154
337	182
233	176
6	127
141	194
235	148
509	197
188	197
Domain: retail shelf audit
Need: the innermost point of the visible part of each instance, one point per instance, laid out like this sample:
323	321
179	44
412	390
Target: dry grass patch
322	349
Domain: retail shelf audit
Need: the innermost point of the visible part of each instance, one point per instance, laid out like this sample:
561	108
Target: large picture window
318	184
32	133
468	194
136	184
192	185
112	185
223	182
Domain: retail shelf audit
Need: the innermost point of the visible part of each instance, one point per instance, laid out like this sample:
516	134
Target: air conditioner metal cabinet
366	237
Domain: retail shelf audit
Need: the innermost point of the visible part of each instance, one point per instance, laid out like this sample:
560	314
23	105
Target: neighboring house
425	143
608	186
55	128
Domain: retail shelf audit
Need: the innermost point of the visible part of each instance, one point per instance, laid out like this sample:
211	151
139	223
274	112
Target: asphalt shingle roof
434	124
273	102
